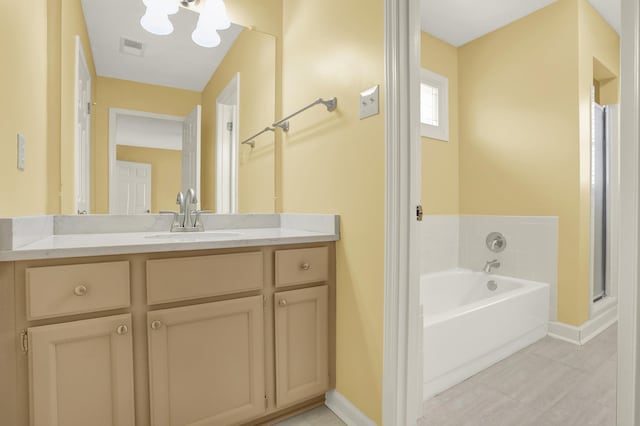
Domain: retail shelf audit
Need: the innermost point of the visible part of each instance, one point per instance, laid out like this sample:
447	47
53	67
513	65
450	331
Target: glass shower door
599	180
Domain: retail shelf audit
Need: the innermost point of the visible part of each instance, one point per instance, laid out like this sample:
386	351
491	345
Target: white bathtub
468	327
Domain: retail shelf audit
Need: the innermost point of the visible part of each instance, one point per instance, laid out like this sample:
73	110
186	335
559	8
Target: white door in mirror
133	188
191	153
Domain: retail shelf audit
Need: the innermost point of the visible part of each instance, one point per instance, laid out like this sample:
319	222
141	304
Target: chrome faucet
190	200
491	264
180	202
184	220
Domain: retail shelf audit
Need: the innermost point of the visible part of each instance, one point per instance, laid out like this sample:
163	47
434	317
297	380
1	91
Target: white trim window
434	105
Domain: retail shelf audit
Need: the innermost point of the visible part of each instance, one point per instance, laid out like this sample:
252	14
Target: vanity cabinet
206	363
81	373
238	336
302	351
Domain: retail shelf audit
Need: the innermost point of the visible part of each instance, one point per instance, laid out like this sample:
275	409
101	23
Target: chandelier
213	18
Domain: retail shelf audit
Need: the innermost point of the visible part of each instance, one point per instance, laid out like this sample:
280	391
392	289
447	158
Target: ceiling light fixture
213	17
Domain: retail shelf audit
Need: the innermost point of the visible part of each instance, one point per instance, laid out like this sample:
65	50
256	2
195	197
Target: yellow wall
166	173
519	150
525	130
440	177
334	163
114	93
253	57
23	84
599	48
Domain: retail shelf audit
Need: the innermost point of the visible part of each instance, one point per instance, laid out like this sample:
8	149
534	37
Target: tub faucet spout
491	264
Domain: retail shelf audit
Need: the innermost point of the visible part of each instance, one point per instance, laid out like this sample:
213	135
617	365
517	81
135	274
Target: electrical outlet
369	104
21	148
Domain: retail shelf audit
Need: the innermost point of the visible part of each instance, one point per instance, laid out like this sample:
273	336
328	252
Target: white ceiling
460	21
173	60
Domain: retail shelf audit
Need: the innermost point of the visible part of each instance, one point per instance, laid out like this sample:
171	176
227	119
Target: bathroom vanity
232	326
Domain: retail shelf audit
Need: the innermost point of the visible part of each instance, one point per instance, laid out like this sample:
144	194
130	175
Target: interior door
133	188
81	373
227	105
82	132
226	161
191	133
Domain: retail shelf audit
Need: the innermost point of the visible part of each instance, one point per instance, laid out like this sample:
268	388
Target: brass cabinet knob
282	302
305	266
80	290
155	325
122	329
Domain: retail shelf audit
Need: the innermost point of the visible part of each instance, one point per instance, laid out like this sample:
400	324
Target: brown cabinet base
14	392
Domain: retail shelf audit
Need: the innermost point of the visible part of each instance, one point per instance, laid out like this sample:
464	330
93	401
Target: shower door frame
401	393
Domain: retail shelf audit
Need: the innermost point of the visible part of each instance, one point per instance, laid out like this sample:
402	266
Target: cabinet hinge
24	341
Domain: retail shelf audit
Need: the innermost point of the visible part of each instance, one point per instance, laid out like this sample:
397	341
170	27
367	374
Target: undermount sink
194	236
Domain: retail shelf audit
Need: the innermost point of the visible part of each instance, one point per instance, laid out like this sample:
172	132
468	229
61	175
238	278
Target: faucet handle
175	214
197	213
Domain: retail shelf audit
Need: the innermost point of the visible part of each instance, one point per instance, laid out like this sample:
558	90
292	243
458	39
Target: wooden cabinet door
81	373
302	363
206	363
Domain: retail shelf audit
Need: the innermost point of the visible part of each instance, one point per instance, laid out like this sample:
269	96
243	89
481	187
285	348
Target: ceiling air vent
131	47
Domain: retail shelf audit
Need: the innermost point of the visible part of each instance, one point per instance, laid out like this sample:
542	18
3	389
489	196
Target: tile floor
547	384
320	416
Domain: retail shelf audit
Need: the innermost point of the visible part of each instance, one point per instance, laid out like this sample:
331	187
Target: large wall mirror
158	114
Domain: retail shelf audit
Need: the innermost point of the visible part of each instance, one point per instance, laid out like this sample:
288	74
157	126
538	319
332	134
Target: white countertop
279	229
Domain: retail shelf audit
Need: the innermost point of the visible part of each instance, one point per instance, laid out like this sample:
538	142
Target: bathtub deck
549	383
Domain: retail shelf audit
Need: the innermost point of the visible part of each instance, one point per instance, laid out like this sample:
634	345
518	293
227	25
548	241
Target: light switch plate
21	148
369	102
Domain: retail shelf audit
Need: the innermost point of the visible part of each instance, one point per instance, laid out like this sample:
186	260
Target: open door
227	105
191	133
82	132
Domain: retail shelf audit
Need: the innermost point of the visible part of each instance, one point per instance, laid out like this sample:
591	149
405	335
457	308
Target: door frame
81	61
402	372
114	114
230	95
401	395
628	324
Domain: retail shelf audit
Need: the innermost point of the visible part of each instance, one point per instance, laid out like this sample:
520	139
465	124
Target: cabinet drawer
301	266
54	291
171	280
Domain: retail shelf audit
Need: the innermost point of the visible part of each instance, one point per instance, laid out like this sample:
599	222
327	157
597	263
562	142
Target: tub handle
496	242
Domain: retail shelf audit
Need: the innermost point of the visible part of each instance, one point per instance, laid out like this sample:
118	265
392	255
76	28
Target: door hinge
24	341
230	125
266	401
88	108
419	213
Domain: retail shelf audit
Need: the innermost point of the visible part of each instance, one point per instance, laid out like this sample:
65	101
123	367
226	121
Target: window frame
440	82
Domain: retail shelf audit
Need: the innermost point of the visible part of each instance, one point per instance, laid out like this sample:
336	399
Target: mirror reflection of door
169	144
134	187
191	134
82	132
227	105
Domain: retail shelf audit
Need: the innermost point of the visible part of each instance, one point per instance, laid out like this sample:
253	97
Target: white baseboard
587	331
343	408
